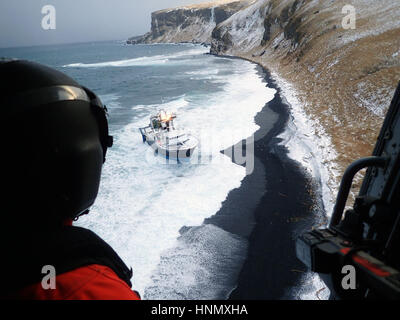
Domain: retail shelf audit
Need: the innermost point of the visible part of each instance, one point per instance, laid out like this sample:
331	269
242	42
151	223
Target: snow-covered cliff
190	23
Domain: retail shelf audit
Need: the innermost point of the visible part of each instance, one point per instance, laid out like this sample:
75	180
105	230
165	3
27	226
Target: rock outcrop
189	24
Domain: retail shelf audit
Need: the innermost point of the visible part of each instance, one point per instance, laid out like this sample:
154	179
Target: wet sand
270	209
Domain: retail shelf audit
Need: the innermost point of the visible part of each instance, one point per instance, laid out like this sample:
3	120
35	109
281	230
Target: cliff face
343	78
189	24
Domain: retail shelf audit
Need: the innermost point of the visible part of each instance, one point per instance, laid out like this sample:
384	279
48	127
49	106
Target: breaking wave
156	60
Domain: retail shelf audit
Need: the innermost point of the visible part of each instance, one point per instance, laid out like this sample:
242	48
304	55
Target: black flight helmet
55	138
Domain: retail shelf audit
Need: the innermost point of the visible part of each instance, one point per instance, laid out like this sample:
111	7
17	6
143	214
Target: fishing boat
167	140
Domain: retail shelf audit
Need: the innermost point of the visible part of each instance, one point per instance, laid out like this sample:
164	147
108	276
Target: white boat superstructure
167	140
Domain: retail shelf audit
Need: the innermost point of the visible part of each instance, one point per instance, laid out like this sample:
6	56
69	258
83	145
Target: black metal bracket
347	181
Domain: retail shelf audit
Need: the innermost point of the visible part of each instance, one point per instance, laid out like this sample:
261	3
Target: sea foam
144	202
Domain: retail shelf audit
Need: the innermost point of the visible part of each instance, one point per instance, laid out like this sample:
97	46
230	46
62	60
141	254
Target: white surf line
140	61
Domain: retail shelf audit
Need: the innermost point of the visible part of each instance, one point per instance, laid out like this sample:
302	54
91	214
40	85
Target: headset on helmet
101	113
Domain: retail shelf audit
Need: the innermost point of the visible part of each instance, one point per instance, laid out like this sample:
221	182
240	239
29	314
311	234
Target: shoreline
283	210
303	138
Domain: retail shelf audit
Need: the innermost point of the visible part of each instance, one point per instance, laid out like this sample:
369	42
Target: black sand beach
272	206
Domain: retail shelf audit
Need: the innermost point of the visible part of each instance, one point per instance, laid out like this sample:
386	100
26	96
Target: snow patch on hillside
372	98
246	27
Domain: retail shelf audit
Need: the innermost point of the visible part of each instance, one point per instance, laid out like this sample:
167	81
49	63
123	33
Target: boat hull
181	154
178	154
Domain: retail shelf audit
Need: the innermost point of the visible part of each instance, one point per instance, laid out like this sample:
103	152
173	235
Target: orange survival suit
87	268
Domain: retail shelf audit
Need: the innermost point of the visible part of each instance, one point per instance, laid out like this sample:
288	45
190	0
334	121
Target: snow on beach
307	144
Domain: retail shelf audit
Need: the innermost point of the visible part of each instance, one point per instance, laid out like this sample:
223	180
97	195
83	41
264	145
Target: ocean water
150	211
